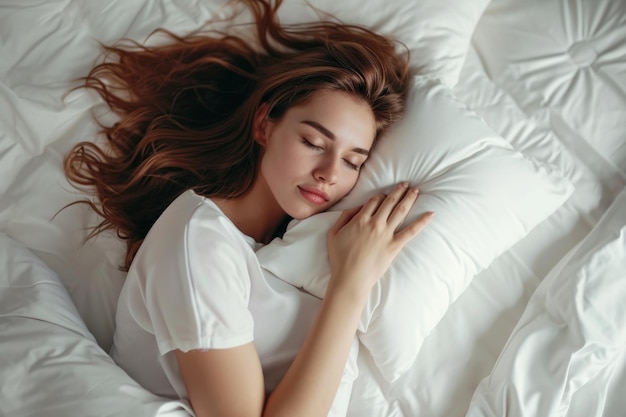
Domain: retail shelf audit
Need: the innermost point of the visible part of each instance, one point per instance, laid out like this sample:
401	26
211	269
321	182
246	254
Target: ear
260	126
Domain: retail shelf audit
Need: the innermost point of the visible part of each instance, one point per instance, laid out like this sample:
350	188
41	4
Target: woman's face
313	154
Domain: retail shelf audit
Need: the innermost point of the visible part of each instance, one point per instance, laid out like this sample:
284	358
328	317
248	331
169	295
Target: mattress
539	331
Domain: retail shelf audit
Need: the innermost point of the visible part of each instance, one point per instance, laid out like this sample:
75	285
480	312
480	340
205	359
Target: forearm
310	385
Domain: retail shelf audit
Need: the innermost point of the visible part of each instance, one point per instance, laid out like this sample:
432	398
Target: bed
527	314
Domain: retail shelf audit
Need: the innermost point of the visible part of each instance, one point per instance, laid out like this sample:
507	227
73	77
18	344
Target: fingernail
404	184
415	190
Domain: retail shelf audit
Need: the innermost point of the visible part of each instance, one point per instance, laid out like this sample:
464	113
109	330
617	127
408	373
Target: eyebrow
330	135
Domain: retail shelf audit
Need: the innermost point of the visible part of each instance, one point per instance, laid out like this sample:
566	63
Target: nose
327	171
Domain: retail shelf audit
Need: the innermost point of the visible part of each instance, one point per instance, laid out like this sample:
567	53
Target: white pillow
50	364
437	32
486	196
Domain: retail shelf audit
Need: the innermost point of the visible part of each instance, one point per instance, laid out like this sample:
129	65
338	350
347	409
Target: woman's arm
311	382
229	382
223	382
362	244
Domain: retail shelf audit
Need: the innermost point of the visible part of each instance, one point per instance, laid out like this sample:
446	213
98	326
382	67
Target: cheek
347	184
283	159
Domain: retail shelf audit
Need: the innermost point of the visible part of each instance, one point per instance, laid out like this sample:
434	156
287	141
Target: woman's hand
365	240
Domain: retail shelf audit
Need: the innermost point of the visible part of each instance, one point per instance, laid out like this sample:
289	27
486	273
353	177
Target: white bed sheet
549	75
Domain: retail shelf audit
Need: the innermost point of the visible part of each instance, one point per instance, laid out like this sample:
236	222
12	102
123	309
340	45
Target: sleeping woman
219	143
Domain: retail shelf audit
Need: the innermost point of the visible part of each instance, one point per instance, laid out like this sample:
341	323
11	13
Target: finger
344	219
412	230
387	206
401	210
372	205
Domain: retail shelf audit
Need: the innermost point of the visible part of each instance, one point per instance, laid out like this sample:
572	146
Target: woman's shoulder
193	234
192	220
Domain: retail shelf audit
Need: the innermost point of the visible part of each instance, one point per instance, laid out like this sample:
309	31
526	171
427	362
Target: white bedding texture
514	304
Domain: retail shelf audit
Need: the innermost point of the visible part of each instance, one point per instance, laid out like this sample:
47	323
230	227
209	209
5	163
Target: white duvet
526	338
572	332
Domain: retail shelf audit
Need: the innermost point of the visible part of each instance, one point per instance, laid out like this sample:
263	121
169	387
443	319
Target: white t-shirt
195	283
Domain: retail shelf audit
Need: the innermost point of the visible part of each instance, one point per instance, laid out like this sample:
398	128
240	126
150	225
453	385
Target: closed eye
351	165
310	145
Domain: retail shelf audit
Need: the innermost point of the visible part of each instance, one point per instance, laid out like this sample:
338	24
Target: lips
314	195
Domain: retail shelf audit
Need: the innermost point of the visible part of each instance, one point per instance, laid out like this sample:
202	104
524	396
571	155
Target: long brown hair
186	109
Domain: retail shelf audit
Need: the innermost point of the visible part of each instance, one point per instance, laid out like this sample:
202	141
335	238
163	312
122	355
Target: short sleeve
197	285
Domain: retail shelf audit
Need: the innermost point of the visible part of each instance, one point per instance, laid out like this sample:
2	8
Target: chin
302	213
